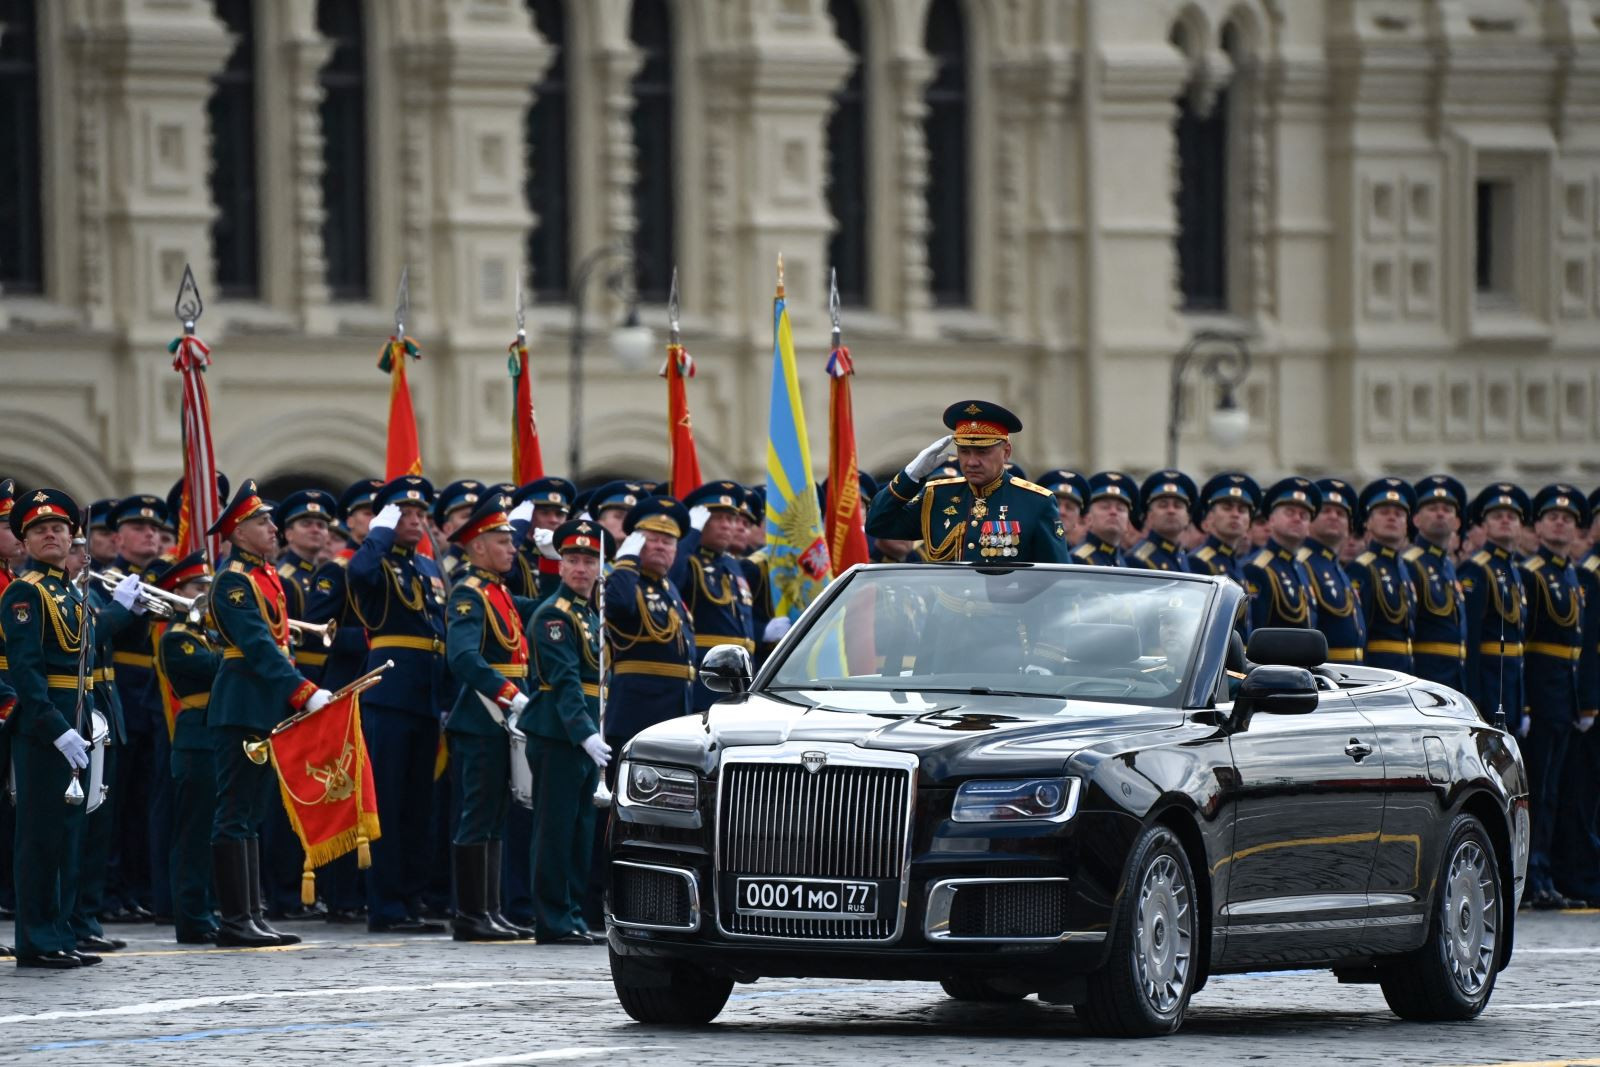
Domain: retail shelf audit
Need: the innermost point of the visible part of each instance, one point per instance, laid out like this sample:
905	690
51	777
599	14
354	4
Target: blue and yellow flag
795	545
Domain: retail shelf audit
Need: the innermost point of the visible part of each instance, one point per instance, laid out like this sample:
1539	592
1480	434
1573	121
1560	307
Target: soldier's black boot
472	921
231	869
493	884
258	911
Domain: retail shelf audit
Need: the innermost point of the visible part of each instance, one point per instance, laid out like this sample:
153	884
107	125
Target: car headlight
1016	800
656	786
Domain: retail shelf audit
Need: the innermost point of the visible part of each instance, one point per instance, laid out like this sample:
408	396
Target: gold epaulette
1205	554
1411	554
1144	551
1083	551
1533	563
1366	558
32	578
286	570
1590	563
236	567
1302	555
472	581
757	558
562	603
1261	559
1482	558
1023	483
942	481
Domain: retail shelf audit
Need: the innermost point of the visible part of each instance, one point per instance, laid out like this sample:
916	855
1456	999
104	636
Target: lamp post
1224	359
631	340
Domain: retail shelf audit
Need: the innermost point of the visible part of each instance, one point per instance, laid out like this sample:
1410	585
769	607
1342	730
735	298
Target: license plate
813	897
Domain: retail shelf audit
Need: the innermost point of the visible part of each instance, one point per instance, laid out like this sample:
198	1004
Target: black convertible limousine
1068	782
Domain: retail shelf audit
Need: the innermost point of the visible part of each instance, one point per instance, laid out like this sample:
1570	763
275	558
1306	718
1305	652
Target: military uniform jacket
1555	636
487	650
330	601
1496	618
1588	571
135	661
399	597
720	602
531	575
1280	589
652	649
757	569
1095	552
1156	554
257	685
1338	609
189	663
1216	557
1439	646
297	574
8	695
566	654
1383	583
1009	520
43	616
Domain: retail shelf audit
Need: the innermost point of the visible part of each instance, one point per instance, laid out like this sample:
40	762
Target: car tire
1143	989
978	991
1451	977
691	996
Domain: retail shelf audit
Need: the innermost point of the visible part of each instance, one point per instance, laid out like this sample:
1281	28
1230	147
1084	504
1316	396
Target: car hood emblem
813	761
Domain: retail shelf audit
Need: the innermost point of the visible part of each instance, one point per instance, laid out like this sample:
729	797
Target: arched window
948	187
236	232
847	160
21	216
650	29
344	149
1201	129
548	188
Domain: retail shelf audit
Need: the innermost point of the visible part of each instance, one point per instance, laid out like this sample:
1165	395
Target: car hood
951	734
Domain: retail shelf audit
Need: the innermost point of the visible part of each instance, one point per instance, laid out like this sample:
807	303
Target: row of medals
996	544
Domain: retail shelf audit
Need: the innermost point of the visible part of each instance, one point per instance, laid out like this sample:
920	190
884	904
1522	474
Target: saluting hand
387	519
631	545
698	516
544	541
523	512
928	460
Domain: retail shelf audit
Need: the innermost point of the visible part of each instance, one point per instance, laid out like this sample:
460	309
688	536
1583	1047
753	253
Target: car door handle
1357	749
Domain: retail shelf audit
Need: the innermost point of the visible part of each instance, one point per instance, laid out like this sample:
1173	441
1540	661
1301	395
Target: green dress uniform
99	826
44	620
562	715
189	663
1008	521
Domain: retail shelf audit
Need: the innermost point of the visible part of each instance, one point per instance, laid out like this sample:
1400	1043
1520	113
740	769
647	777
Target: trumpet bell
256	752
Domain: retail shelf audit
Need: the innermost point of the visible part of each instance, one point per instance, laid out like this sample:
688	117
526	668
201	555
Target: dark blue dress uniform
564	712
1007	520
1553	648
487	650
458	496
713	586
757	567
399	595
1439	647
1095	551
45	624
1576	864
1279	584
1383	582
650	633
1496	612
188	662
533	575
1155	552
1216	556
1336	604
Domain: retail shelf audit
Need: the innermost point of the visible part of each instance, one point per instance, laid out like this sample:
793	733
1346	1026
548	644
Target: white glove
518	702
72	746
523	512
319	700
127	594
387	519
545	542
698	516
775	629
928	460
631	545
598	750
1584	722
1524	726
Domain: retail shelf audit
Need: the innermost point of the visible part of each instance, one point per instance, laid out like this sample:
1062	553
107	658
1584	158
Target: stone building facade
1395	202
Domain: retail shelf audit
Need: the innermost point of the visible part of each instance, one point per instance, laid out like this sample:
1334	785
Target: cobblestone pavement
355	998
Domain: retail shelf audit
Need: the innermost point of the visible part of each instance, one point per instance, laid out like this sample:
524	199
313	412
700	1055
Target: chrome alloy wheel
1470	923
1163	935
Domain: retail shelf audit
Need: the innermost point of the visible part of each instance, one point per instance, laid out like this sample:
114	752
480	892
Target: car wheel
1144	987
1452	975
677	994
978	990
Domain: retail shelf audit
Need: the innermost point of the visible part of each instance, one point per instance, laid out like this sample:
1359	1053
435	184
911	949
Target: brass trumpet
324	630
158	601
258	752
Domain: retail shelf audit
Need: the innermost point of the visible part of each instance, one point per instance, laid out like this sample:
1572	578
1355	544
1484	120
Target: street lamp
631	341
1223	358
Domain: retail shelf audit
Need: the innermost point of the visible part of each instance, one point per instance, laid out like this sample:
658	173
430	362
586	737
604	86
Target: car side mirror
727	669
1274	690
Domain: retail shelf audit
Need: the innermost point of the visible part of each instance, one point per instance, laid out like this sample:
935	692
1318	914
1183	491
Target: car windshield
1113	635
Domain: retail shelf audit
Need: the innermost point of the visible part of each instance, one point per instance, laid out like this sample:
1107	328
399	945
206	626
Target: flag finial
833	305
402	302
675	335
522	328
780	275
188	307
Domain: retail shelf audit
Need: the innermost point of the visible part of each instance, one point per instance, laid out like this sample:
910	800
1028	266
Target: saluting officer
1226	505
451	507
1337	606
983	515
1553	648
647	624
488	655
610	504
710	580
1438	651
565	749
187	662
1381	578
1496	605
1278	583
400	595
540	507
1113	500
256	688
45	623
1166	498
